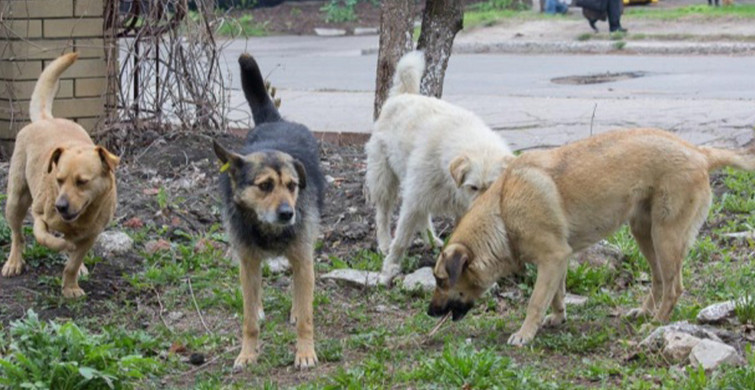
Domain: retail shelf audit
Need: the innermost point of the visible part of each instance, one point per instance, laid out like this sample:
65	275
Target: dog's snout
285	212
62	205
437	310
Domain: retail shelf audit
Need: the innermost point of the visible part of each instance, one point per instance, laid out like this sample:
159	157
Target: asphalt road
328	83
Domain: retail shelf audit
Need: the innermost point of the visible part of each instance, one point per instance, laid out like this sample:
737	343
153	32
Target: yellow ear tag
225	167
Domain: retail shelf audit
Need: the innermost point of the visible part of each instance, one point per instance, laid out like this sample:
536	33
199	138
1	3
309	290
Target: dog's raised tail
46	88
408	74
719	158
263	108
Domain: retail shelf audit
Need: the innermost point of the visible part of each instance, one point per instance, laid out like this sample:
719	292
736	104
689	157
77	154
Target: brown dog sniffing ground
549	204
66	179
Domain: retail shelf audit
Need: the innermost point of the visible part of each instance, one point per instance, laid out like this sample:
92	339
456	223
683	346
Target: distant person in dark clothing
710	2
594	10
615	8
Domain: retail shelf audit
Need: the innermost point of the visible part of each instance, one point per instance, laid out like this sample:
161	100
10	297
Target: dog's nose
285	212
62	205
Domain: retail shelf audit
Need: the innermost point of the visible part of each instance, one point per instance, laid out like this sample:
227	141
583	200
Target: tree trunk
395	40
441	20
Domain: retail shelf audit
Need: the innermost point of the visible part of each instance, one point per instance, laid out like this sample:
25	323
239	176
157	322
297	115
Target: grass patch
63	356
744	11
244	26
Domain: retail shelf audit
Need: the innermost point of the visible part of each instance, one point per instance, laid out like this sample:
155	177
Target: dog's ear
54	157
232	160
109	160
455	265
301	173
459	168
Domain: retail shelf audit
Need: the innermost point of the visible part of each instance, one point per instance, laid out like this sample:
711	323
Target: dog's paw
12	268
552	320
305	358
388	274
244	359
521	338
73	292
83	270
636	313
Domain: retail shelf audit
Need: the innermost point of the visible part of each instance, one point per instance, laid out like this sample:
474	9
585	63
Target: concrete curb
601	47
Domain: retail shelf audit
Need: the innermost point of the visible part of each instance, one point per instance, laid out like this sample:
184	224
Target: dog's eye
292	186
60	182
474	188
266	186
81	182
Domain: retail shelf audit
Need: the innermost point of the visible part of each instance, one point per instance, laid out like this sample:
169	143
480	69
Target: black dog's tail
263	108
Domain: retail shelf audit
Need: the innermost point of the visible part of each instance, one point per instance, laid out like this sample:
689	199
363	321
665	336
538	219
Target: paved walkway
328	83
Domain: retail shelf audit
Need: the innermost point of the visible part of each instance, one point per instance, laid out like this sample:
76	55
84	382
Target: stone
710	354
717	313
175	316
654	341
197	359
278	265
354	277
677	345
422	279
329	32
366	30
574	299
154	246
600	255
113	243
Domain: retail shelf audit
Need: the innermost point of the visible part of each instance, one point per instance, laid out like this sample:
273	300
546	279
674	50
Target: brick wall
32	33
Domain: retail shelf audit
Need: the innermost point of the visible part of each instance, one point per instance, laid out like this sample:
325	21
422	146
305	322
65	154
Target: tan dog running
67	180
549	204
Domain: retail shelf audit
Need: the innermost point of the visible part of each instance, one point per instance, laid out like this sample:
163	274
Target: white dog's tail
408	74
46	88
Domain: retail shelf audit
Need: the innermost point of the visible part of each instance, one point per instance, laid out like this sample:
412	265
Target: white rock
278	264
329	32
599	255
113	243
717	312
574	299
329	179
710	354
354	277
366	30
422	278
654	341
678	345
175	316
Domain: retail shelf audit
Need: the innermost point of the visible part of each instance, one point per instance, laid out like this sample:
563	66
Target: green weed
50	355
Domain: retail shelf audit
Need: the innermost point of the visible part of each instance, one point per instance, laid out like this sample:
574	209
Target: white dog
443	156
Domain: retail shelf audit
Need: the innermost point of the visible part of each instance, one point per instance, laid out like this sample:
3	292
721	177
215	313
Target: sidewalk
328	83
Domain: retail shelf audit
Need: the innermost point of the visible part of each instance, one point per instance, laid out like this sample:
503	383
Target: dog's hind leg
302	264
71	287
19	200
250	273
673	237
382	185
641	226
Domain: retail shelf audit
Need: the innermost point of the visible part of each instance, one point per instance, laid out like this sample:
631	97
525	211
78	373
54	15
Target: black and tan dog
273	191
551	203
66	179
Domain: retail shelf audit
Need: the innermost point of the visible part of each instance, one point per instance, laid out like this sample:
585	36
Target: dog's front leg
251	285
304	289
71	287
549	275
44	238
558	307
